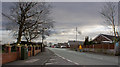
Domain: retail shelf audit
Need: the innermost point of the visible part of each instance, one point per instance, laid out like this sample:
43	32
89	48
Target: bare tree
109	12
31	33
22	13
37	30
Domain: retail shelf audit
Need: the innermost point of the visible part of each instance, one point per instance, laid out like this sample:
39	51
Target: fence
12	53
99	48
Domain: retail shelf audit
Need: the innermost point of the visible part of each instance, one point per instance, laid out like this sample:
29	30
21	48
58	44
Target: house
103	38
75	44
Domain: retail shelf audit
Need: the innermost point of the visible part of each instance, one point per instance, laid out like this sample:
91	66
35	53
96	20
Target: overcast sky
69	15
83	15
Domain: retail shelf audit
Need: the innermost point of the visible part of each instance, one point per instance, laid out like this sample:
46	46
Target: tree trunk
113	25
19	34
114	30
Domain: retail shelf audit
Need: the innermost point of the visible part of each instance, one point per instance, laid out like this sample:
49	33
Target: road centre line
67	59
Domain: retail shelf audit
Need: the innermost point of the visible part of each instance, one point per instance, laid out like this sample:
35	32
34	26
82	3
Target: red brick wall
8	57
12	56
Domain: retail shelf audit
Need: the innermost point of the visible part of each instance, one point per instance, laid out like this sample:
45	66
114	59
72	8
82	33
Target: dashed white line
63	58
76	63
48	63
67	59
52	59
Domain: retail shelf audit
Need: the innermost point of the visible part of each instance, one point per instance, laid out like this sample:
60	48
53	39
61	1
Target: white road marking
52	59
67	59
76	63
48	63
31	60
63	58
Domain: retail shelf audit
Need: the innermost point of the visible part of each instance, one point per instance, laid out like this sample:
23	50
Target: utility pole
42	40
76	33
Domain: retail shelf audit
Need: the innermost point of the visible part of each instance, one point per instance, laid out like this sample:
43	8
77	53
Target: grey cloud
69	15
76	14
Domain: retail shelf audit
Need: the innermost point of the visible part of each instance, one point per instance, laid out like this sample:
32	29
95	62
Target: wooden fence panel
100	46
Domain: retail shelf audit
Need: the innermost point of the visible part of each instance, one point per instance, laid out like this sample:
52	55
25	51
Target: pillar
34	50
9	49
31	50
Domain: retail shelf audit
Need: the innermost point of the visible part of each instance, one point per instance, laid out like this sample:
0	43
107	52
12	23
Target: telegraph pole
42	40
76	33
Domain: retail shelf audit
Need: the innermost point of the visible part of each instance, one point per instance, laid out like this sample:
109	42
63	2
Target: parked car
52	46
63	46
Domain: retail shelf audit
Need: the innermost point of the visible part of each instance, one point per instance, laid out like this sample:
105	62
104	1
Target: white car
63	46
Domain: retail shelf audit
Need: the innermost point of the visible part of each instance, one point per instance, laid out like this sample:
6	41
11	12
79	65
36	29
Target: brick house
103	38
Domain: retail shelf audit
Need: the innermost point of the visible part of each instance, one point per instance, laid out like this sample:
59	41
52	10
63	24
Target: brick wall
12	56
8	57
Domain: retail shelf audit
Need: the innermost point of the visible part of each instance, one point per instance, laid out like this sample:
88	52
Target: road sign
80	47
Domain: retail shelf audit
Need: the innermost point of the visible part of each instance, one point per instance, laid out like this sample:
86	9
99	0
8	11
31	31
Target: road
82	58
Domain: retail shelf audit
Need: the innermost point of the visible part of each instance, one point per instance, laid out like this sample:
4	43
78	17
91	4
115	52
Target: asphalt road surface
82	58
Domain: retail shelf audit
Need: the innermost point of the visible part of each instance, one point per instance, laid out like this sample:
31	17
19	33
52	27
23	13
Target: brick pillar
34	50
19	52
31	50
9	49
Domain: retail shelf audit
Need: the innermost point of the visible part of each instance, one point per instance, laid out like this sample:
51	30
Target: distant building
62	44
75	44
103	38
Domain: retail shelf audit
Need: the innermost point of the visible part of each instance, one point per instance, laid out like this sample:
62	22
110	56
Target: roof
62	43
108	37
76	42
